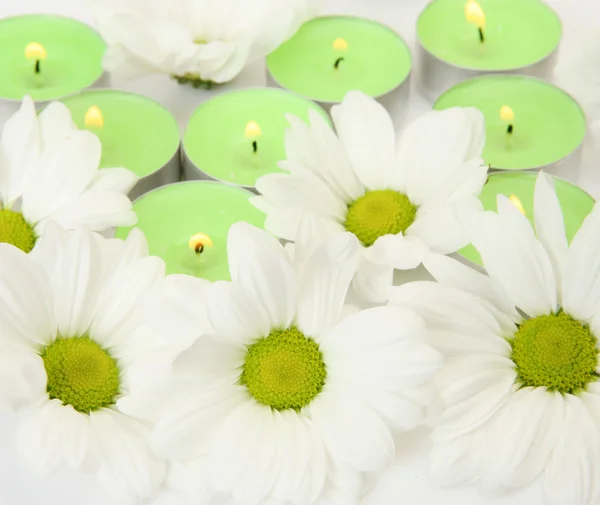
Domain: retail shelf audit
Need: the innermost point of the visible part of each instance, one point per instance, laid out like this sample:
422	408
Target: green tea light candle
530	124
332	55
135	132
173	215
459	39
238	136
48	57
519	187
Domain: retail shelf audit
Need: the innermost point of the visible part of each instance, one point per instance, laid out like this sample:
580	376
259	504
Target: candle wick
254	146
337	62
199	248
37	66
481	37
509	130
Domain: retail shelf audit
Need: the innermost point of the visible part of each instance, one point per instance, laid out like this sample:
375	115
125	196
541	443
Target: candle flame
506	113
252	130
94	117
199	241
35	51
514	199
474	14
340	44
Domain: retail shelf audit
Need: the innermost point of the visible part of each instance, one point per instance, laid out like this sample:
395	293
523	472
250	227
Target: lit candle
519	188
510	36
135	132
551	127
171	216
475	16
48	57
238	136
330	56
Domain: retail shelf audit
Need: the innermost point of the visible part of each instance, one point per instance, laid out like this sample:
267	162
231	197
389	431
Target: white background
407	482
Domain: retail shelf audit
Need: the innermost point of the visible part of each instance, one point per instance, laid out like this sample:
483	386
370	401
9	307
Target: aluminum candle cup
459	39
332	55
136	133
530	124
238	136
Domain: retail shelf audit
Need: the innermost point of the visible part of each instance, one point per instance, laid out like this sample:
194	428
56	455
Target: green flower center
193	80
379	213
81	373
284	370
16	231
555	351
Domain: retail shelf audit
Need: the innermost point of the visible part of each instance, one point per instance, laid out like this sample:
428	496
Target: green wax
575	203
375	62
216	141
170	215
548	123
74	57
517	33
138	133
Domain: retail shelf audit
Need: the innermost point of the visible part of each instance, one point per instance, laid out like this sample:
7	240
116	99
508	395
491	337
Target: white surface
407	481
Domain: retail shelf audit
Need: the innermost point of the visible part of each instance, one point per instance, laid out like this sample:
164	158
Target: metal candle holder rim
381	95
542	81
205	176
99	80
548	56
215	183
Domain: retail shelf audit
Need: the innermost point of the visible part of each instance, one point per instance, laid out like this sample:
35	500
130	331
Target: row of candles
238	136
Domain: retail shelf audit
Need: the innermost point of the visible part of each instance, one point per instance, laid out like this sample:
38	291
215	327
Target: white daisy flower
49	171
281	401
520	390
397	198
71	333
197	42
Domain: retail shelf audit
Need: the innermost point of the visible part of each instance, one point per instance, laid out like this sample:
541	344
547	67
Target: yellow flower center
16	231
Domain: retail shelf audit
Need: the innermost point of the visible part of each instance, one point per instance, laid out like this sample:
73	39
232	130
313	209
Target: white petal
20	147
97	210
353	433
312	231
435	146
441	303
128	469
581	282
453	273
324	283
194	414
52	433
22	375
259	265
243	452
235	315
401	252
550	226
515	259
56	123
119	180
437	226
62	173
456	461
304	191
367	132
521	437
118	310
27	316
373	281
571	473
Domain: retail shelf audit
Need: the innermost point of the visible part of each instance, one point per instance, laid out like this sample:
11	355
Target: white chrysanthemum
49	171
71	336
520	390
198	42
280	401
398	199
